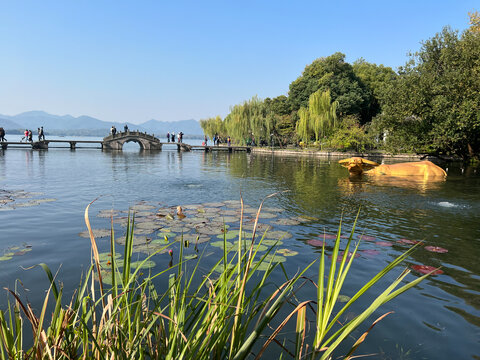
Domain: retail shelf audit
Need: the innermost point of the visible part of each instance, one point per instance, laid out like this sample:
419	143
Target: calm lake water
439	319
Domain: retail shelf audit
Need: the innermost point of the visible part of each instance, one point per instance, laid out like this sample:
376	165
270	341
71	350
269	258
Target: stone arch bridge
146	141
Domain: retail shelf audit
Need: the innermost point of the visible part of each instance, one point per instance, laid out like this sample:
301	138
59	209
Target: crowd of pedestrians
171	137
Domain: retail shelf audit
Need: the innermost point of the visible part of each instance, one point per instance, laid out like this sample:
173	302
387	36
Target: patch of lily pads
12	251
156	228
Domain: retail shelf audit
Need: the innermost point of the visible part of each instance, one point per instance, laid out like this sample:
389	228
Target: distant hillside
89	126
9	124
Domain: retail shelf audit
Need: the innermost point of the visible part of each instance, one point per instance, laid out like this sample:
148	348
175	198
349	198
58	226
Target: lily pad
220	244
370	252
425	269
193	238
279	234
263	266
343	298
367	237
267	215
383	243
231	219
275	258
285	222
142	207
436	249
287	252
214	204
97	233
272	209
136	240
408	242
5	258
147	265
107	213
108	256
268	242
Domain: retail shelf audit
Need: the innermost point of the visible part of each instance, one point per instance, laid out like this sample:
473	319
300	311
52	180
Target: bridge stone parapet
146	141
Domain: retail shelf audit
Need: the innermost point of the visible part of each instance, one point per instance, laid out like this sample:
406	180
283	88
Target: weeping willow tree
323	113
303	125
212	126
247	120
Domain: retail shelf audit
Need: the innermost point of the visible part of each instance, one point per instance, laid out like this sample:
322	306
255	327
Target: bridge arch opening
132	145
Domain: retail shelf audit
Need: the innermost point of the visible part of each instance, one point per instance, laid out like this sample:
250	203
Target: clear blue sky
138	60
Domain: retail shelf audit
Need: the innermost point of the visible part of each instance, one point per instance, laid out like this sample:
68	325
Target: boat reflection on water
359	183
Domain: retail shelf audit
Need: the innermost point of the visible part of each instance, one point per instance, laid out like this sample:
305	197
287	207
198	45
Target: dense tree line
430	105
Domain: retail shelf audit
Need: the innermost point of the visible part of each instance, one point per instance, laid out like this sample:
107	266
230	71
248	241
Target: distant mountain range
89	126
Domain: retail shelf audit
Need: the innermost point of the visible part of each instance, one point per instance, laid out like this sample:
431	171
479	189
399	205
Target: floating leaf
190	257
220	244
341	255
383	243
285	222
371	252
436	249
425	269
275	258
343	298
287	252
214	204
316	243
97	233
408	242
108	256
147	265
193	238
267	215
268	242
5	258
272	209
142	207
279	234
367	238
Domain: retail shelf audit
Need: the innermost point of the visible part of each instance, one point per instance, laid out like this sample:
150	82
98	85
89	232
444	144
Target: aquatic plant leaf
285	222
425	269
343	298
268	242
147	265
267	215
142	207
367	237
220	243
383	243
287	252
192	238
108	256
98	233
5	258
371	252
107	213
275	258
214	204
436	249
231	219
272	209
408	242
279	234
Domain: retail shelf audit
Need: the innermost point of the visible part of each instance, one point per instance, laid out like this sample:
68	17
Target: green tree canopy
334	74
434	105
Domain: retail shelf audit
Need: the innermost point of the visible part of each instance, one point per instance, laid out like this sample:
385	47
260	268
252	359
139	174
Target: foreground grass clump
206	318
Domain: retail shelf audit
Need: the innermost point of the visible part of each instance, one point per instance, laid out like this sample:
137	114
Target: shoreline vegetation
429	106
197	314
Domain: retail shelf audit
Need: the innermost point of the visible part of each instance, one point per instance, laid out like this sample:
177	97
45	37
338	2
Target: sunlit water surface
439	319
